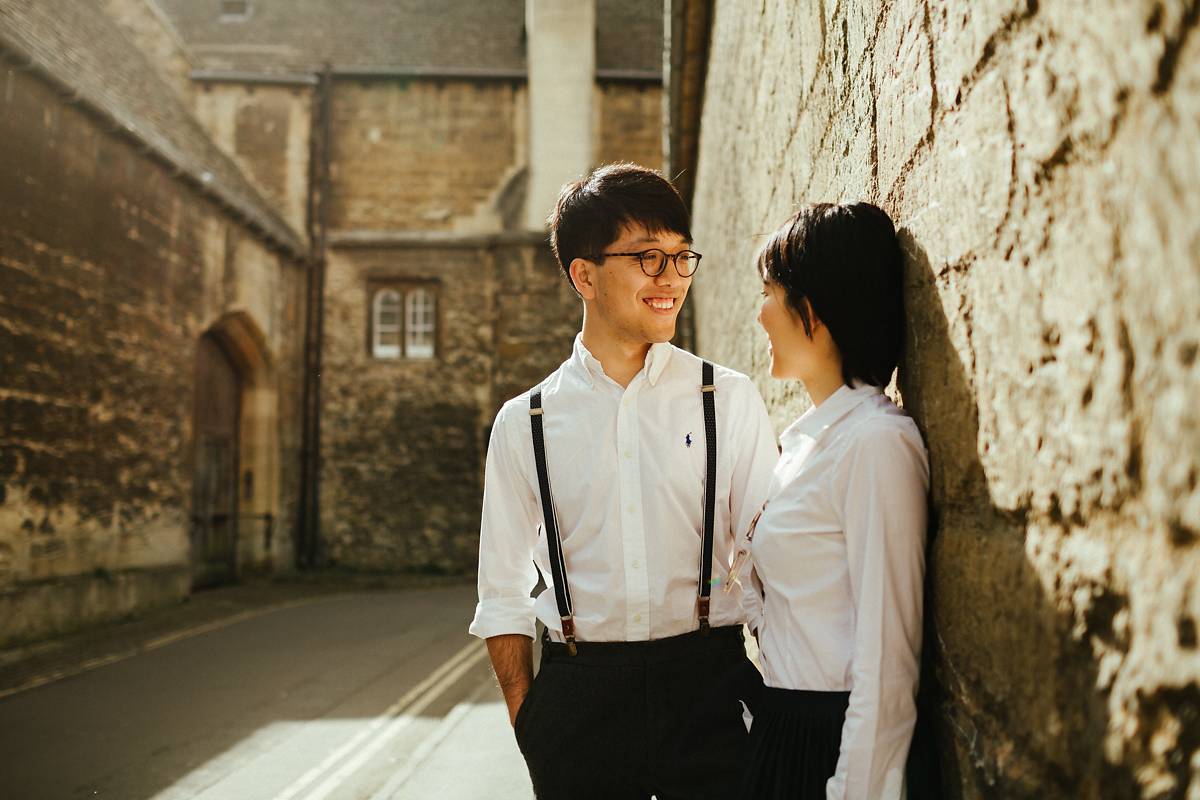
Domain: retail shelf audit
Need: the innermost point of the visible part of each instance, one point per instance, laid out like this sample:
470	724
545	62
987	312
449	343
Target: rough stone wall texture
1040	159
537	317
111	269
423	155
266	130
403	439
629	123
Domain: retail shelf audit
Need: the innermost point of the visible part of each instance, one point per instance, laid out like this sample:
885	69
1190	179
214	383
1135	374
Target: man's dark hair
590	212
845	261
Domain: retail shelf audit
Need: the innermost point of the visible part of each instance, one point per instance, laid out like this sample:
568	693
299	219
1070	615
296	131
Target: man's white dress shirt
840	552
627	472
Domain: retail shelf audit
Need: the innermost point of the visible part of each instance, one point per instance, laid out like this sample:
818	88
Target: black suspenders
558	566
709	392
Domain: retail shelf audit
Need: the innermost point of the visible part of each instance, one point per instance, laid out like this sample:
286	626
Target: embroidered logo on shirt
687	440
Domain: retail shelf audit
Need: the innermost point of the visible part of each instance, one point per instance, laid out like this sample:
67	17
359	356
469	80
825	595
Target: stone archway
236	479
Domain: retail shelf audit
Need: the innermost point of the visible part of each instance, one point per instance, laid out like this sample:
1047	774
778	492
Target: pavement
320	687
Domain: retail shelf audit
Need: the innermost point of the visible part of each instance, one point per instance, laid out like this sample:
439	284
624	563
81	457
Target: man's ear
583	275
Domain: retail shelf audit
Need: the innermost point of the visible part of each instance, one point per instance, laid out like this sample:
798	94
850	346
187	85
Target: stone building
151	337
1041	162
450	128
271	267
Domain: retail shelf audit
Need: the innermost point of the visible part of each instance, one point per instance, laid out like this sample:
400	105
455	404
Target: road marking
367	742
390	789
153	644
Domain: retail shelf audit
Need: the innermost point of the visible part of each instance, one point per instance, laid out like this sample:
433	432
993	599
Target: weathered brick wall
266	130
1041	162
422	155
110	270
629	123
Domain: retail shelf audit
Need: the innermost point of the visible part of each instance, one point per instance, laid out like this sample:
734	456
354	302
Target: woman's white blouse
840	553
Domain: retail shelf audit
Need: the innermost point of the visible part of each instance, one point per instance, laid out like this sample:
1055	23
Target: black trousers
634	719
794	744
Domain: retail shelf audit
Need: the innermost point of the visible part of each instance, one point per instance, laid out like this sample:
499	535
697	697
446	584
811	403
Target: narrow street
369	695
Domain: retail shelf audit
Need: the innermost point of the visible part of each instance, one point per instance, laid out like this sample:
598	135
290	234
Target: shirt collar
585	362
814	422
656	361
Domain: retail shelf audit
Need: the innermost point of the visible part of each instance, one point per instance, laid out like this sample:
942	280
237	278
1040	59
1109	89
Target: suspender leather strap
708	391
558	567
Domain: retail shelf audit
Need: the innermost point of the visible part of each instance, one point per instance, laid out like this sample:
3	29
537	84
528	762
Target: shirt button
628	454
637	617
631	509
637	564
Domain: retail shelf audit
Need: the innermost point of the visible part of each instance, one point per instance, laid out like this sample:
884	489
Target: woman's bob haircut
842	263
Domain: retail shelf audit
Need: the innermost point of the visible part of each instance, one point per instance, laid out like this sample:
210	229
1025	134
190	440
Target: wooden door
215	489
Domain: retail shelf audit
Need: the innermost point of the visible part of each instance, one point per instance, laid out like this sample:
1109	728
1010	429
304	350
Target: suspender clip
708	387
568	628
703	603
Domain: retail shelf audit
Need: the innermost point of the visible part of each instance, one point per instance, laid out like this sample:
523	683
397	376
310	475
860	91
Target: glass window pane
420	324
385	324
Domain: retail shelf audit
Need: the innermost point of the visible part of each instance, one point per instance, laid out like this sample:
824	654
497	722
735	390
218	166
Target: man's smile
660	304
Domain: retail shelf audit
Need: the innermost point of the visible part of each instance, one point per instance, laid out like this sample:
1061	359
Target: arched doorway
215	476
235	498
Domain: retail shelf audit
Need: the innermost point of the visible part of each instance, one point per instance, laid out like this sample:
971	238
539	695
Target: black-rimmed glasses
654	261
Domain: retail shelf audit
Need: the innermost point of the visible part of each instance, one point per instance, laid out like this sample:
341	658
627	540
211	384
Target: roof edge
241	76
427	73
366	239
278	233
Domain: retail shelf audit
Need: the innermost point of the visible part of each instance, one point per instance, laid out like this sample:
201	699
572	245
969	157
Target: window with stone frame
403	321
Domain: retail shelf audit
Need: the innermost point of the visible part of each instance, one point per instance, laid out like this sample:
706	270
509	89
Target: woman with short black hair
838	550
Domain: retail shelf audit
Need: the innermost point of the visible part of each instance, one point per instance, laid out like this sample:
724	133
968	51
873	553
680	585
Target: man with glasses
622	479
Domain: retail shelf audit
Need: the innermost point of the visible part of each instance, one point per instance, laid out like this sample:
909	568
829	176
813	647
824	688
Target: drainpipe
308	534
688	25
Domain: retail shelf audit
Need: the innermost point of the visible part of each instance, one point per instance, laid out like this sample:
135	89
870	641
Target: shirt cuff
504	615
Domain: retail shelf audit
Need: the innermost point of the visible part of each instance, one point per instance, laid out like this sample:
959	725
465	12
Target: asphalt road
373	696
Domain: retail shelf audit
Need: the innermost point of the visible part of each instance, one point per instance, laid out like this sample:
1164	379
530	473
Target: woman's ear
813	319
583	275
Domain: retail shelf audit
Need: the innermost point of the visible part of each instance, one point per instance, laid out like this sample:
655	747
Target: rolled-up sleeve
756	454
507	535
881	485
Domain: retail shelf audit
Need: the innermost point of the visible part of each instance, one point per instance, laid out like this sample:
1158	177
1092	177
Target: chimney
562	72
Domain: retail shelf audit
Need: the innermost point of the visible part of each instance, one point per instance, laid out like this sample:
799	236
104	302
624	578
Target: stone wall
266	130
423	154
1040	160
629	123
537	314
403	439
111	271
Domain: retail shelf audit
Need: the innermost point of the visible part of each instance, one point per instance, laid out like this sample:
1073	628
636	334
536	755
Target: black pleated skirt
794	744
